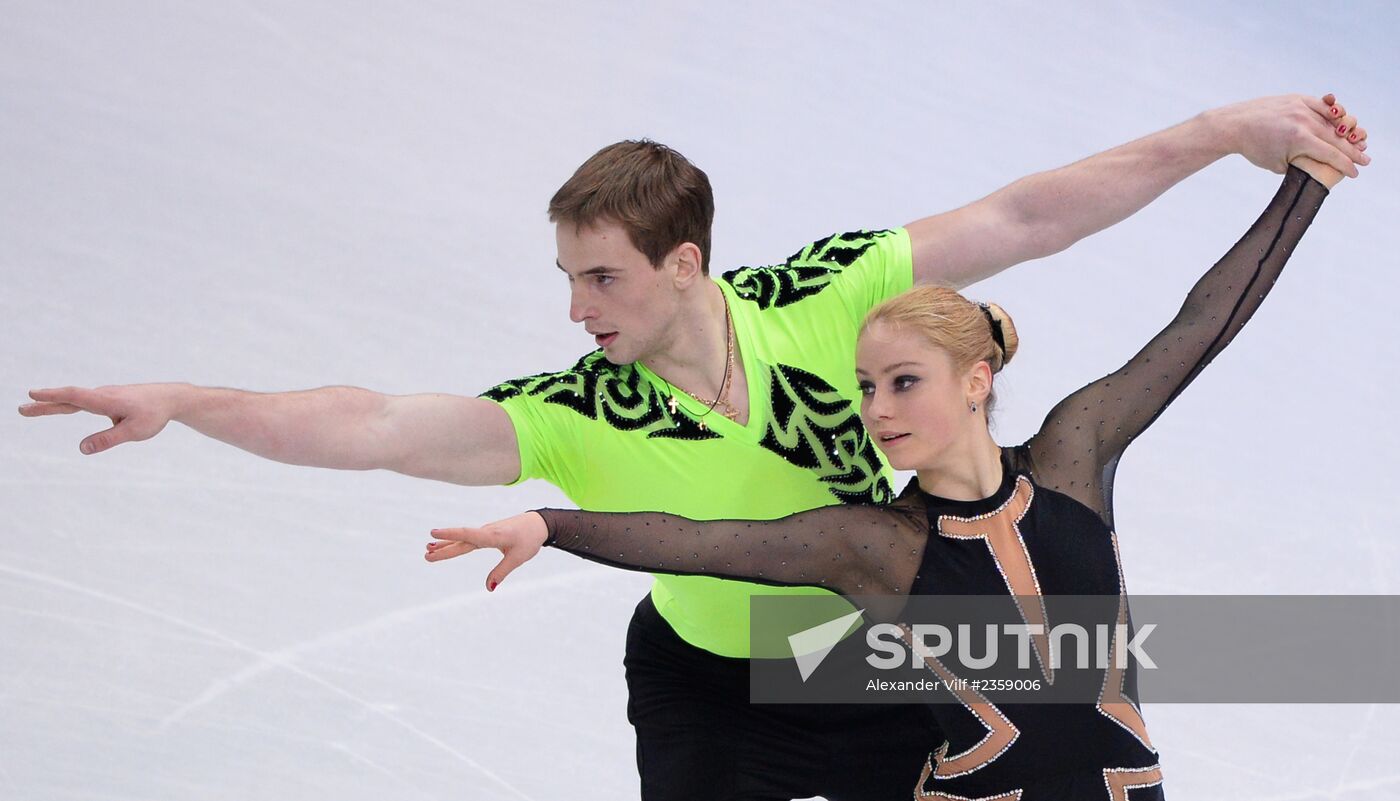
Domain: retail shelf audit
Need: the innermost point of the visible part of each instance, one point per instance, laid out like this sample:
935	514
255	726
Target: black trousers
698	737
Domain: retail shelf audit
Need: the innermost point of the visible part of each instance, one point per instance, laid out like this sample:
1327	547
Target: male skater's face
621	299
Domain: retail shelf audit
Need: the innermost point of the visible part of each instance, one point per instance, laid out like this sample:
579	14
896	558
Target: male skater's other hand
518	539
1273	131
1326	174
138	412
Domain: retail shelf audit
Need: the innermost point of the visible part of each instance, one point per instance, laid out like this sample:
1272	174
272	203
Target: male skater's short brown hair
653	192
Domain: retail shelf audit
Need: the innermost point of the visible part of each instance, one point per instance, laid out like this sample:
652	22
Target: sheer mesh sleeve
851	549
1078	447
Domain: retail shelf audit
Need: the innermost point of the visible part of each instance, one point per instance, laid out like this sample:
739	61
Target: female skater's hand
1323	173
1326	174
518	539
1272	132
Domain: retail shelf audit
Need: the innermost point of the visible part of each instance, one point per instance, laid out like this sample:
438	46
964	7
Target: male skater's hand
518	539
1326	174
1273	131
138	412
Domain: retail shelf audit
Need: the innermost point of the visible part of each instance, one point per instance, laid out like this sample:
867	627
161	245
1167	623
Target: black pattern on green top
805	273
598	389
814	427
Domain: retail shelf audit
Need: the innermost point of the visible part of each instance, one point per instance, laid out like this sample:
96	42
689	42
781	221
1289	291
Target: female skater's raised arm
1078	447
851	549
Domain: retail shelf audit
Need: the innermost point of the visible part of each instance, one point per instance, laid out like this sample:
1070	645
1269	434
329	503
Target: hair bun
1008	333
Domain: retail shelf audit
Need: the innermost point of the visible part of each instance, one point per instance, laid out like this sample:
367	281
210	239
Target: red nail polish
1341	129
1336	112
1352	137
491	586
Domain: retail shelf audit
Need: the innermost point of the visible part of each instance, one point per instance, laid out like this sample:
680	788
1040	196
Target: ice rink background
284	196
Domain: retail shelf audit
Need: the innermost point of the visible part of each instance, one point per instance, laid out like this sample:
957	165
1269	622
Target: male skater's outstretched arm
445	437
1046	212
472	440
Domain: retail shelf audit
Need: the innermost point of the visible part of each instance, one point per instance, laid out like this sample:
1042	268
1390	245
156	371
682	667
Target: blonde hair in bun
1009	340
945	319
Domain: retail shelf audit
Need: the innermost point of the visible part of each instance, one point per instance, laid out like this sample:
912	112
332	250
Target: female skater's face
914	403
621	299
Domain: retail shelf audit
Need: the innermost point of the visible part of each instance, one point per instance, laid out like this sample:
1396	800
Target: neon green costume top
603	433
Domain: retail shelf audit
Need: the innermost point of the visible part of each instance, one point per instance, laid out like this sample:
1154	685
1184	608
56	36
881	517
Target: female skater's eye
904	382
867	388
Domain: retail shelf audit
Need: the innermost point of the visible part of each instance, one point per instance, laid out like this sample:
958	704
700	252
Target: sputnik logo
810	646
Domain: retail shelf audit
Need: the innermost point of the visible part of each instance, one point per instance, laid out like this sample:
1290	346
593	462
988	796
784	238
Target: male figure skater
717	398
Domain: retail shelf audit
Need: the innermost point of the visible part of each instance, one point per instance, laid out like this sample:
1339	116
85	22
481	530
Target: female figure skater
1034	519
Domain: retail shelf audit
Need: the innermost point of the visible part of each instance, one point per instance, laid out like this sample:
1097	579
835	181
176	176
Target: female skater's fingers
1322	107
512	537
1345	125
45	408
509	562
1357	135
439	551
1337	112
476	537
1328	132
450	546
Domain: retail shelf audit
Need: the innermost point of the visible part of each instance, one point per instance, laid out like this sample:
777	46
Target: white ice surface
278	196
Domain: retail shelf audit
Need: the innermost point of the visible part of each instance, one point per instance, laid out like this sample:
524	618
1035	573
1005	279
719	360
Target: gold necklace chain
723	400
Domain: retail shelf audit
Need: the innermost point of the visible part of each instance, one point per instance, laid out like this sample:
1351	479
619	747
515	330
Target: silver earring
974	407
